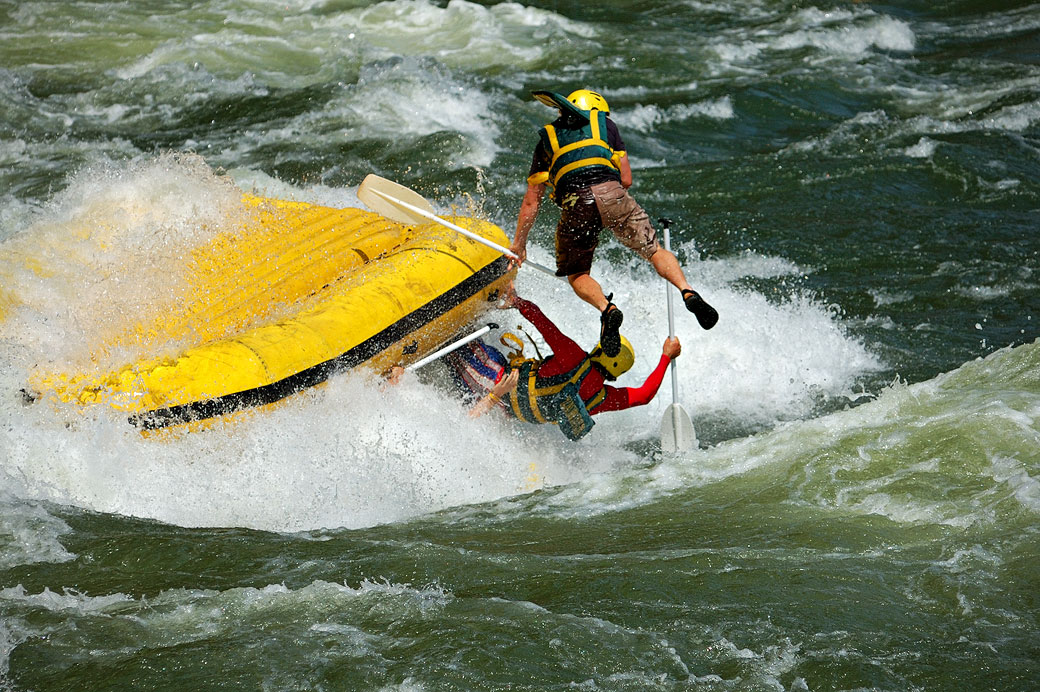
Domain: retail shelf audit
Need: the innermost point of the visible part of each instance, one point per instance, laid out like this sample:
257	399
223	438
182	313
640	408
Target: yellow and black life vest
555	399
573	149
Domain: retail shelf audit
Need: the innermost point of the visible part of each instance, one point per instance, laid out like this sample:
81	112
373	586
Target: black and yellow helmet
587	100
617	366
579	103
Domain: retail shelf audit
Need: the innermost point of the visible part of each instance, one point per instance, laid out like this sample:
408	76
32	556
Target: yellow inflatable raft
301	293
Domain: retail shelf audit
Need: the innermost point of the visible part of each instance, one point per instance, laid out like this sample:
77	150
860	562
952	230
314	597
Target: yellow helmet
587	100
618	365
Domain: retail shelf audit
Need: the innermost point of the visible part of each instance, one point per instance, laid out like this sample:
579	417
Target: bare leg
589	290
667	267
610	317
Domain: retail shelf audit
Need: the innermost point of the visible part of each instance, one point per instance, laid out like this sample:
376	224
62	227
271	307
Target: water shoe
610	329
705	314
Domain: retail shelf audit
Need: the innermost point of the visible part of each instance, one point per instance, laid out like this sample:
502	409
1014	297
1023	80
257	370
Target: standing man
581	159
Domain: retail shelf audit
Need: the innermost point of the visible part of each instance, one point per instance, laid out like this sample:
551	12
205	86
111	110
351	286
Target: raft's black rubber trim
276	391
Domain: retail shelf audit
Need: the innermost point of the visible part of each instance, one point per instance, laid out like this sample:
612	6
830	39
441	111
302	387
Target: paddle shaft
451	347
671	321
677	433
469	234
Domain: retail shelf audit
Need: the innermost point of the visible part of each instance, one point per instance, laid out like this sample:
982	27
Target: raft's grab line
295	294
271	393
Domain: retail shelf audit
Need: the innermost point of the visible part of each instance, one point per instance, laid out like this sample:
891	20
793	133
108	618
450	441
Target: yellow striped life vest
555	399
574	149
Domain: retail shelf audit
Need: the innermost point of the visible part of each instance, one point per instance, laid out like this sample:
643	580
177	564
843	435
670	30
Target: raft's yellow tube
302	292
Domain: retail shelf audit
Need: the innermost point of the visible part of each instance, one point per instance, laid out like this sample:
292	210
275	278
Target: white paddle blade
372	185
677	434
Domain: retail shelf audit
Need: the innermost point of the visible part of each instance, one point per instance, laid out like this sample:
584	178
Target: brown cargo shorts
590	210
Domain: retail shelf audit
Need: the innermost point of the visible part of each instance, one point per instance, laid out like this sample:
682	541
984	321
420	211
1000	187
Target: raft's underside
300	293
432	325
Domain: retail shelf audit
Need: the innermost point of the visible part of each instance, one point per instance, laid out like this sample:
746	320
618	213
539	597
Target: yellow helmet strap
513	342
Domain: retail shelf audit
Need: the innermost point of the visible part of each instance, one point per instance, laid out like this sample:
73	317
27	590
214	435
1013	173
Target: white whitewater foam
764	361
351	454
647	118
842	32
29	534
958	450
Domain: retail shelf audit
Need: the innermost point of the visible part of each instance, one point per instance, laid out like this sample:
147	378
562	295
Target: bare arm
625	169
525	220
501	388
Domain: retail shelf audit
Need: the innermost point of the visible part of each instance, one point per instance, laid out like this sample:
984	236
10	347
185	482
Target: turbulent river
854	185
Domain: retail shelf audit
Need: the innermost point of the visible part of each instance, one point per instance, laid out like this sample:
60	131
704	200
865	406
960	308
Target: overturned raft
299	294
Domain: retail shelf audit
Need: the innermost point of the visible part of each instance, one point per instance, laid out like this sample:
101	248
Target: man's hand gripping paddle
404	205
677	434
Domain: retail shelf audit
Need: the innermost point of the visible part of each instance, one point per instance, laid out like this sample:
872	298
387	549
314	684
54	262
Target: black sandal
706	315
609	328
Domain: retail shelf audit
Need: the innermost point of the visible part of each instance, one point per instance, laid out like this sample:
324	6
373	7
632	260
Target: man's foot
705	314
610	329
